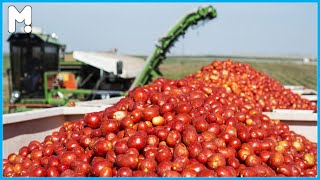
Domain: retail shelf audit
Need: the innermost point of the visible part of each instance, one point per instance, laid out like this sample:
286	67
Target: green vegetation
5	63
286	72
290	73
5	66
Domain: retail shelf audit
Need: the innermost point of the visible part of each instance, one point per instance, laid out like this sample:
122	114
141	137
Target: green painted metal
50	92
165	43
48	38
32	101
57	102
45	83
70	63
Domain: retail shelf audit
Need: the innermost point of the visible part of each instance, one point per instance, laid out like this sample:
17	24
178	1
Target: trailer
306	93
20	128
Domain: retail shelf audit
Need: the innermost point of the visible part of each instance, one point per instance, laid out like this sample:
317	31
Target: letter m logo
14	15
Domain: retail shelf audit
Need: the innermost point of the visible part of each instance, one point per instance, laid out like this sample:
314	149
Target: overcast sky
240	29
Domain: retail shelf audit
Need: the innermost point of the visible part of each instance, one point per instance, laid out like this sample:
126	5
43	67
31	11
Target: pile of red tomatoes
245	81
173	128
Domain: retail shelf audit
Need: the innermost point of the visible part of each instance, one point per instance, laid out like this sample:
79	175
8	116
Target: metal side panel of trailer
309	94
302	122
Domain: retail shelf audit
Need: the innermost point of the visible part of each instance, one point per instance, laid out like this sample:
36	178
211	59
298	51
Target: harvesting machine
40	77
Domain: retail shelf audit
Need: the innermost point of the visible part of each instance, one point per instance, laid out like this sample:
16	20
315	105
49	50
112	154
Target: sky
259	29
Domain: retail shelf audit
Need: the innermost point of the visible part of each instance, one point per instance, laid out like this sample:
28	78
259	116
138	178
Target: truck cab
31	54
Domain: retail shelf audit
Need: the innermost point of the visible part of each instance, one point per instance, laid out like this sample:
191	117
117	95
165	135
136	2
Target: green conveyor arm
165	43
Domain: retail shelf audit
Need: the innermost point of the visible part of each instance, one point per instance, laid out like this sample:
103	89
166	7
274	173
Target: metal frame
165	43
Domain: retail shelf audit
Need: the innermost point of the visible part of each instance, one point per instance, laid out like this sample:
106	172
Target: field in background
287	71
5	88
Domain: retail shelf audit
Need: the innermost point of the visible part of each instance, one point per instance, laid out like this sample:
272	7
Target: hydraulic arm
165	43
